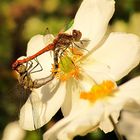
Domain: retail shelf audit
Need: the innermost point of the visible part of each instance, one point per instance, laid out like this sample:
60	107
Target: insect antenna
46	31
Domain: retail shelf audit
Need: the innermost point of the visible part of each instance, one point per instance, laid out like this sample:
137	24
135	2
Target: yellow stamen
73	73
67	66
67	69
99	91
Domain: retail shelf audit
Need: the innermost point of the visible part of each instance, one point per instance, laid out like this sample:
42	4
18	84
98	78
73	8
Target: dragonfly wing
30	113
42	104
82	43
48	39
27	107
34	100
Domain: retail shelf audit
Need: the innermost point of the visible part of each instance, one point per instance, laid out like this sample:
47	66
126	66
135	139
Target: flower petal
92	19
35	44
120	52
129	125
72	92
72	100
123	97
130	91
95	69
38	42
51	134
81	124
42	106
105	123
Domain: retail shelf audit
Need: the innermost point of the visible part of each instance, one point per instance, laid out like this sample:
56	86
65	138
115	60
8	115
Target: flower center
99	91
67	68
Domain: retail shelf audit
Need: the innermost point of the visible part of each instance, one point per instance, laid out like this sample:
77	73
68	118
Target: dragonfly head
20	68
76	35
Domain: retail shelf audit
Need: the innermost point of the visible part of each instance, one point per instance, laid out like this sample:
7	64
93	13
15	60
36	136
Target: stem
119	136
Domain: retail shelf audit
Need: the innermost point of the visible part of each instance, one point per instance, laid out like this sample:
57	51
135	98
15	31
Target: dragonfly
59	45
61	42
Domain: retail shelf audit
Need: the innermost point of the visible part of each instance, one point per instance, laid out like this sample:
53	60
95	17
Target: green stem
119	136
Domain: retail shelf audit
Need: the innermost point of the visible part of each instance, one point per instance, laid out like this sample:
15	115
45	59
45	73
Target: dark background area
20	20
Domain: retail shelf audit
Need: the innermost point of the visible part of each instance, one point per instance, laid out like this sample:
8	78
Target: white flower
95	107
107	60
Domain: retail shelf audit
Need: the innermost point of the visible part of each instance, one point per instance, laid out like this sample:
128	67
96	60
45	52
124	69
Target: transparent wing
40	106
34	100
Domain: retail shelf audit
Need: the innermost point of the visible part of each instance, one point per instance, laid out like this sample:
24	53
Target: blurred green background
21	19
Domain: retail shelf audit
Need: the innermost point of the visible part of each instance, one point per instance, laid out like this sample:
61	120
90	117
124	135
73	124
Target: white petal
120	52
51	134
130	91
124	96
46	101
92	19
38	42
81	124
105	123
35	44
74	87
133	107
129	125
95	69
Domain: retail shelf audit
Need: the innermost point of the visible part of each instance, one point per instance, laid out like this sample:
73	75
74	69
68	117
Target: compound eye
76	35
74	32
21	69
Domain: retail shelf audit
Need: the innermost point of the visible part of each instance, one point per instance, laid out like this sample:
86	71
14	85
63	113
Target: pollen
67	69
99	91
74	73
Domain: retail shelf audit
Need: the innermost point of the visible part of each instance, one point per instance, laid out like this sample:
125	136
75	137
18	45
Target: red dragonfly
58	46
61	42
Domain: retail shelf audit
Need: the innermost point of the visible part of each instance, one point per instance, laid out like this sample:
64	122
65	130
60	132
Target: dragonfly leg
63	50
28	67
31	70
26	73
